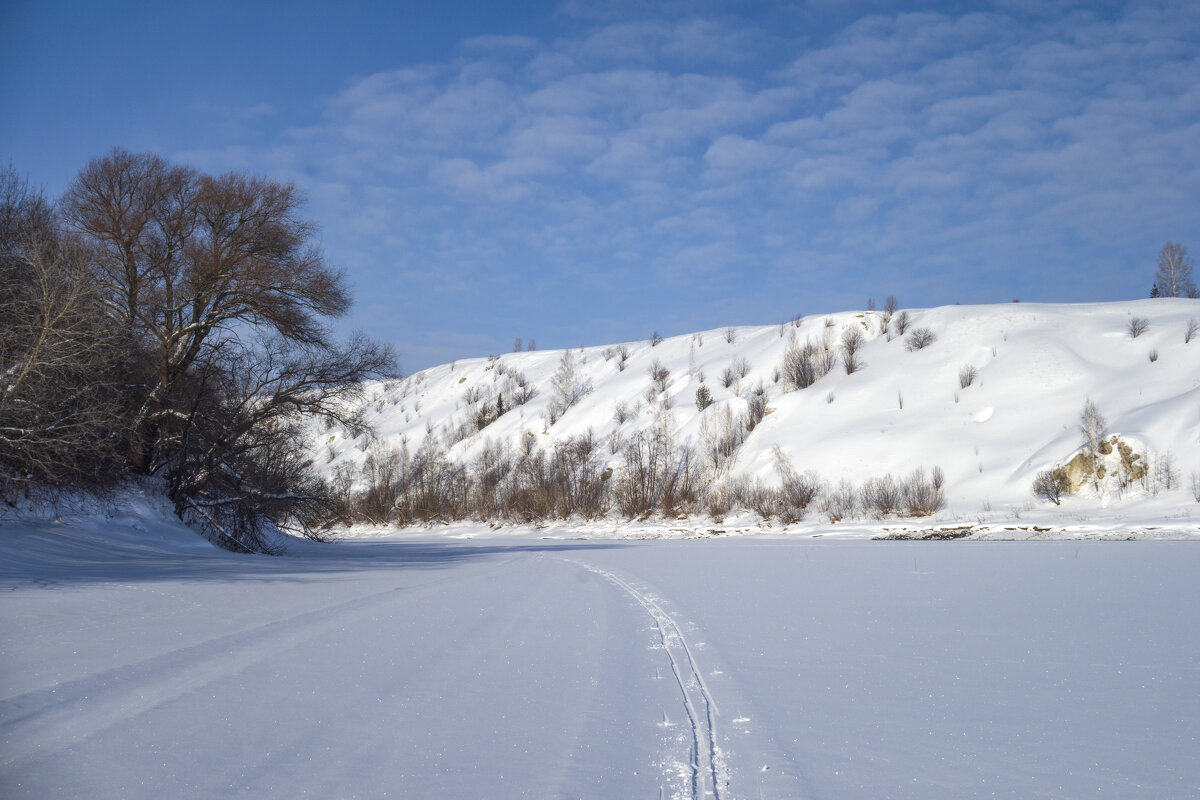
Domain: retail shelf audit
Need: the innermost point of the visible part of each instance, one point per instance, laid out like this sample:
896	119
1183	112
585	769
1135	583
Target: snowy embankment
136	661
993	400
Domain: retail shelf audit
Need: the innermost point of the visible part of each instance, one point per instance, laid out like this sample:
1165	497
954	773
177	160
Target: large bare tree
222	297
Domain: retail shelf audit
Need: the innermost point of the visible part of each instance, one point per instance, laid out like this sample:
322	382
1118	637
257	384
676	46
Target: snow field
505	667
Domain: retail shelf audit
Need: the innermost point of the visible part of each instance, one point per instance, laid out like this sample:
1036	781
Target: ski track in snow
709	774
85	707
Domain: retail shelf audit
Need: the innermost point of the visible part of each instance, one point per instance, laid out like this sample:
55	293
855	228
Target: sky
591	172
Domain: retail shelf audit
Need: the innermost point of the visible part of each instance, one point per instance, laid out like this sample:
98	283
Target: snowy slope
1036	366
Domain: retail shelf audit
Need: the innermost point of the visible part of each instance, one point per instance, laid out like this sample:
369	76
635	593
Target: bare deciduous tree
1051	484
756	406
659	375
59	397
852	342
567	386
622	357
1174	276
220	296
1092	425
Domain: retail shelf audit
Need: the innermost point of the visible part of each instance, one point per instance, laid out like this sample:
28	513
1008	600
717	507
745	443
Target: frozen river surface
724	668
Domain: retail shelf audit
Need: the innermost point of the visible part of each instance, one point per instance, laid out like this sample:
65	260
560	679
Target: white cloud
902	142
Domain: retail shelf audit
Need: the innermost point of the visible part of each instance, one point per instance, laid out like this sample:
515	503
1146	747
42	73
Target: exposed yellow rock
1084	467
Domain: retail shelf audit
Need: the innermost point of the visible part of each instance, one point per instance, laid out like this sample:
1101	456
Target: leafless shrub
966	375
923	496
1153	356
803	365
654	475
1193	326
852	341
840	502
1051	484
724	496
900	323
622	357
1137	326
796	491
722	434
659	375
488	473
756	407
1195	480
881	497
382	476
1165	472
728	377
656	339
621	413
525	391
731	335
919	339
578	488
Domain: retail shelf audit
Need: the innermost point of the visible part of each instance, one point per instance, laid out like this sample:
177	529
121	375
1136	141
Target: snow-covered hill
1034	366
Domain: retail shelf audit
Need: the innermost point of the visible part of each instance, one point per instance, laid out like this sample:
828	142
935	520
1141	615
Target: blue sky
589	172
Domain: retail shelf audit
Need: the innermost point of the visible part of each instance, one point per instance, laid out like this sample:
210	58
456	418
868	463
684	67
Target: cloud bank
671	171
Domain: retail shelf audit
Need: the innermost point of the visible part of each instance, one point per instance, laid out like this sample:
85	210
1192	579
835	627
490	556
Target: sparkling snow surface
138	662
